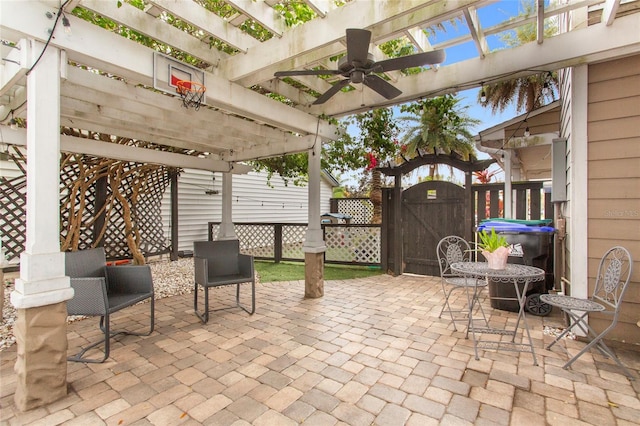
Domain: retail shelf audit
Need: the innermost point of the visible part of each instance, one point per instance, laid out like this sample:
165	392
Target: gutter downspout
506	155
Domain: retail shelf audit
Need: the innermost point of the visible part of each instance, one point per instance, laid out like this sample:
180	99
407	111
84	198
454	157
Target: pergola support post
173	176
314	246
227	231
42	290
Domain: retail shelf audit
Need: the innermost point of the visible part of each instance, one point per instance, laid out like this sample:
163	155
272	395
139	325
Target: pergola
94	79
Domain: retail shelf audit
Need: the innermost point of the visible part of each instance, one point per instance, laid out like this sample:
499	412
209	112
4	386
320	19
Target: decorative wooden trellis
112	203
102	202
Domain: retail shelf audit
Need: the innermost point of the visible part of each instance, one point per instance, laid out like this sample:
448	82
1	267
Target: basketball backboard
168	71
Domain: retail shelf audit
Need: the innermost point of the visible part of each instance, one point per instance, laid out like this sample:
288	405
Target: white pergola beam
471	17
133	98
144	23
589	44
297	41
111	53
198	16
14	66
321	7
290	146
540	21
115	151
261	13
609	11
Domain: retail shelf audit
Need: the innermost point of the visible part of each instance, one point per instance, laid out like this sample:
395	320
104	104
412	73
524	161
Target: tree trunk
376	196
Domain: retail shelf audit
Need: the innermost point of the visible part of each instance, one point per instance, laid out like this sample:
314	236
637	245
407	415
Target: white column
508	191
42	280
227	231
577	228
314	243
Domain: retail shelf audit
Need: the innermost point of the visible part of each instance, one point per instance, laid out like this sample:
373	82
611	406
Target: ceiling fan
358	66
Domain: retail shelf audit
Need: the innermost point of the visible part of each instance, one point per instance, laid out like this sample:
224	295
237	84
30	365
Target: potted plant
495	248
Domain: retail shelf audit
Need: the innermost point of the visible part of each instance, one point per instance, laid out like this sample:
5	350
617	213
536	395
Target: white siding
253	201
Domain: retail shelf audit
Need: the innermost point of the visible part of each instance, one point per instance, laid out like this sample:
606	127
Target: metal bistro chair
220	263
453	249
614	275
101	290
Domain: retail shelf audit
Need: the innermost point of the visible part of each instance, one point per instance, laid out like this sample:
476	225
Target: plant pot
498	258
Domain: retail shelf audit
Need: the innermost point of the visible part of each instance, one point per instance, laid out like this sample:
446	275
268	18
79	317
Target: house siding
253	201
614	178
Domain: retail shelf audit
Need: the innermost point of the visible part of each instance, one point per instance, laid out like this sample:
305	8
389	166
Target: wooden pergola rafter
232	78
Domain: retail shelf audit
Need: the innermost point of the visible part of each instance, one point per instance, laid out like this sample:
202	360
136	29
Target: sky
489	16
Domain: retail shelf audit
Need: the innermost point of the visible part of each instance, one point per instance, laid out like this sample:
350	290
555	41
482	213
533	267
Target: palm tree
529	92
438	126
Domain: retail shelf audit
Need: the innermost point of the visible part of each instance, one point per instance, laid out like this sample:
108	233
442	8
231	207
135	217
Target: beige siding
614	177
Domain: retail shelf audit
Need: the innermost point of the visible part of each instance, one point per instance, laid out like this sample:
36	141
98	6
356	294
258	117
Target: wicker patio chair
220	263
101	290
614	275
452	249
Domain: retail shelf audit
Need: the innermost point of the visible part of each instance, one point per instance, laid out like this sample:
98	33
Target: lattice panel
338	242
256	240
78	199
13	203
360	209
352	244
292	241
366	244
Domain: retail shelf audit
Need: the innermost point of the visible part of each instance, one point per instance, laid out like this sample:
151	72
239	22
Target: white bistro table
512	274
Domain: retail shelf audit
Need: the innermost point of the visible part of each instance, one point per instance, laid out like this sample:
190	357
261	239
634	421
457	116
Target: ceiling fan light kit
358	66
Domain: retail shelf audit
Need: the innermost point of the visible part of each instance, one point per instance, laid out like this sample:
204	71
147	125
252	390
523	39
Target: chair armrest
201	270
245	265
133	279
89	298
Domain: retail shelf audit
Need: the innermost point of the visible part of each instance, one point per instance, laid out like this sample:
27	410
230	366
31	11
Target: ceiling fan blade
410	61
358	45
329	93
306	72
381	86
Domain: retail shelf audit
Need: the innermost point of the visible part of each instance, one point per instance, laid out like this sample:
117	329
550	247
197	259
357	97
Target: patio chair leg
576	321
253	299
447	307
596	340
79	357
204	316
105	327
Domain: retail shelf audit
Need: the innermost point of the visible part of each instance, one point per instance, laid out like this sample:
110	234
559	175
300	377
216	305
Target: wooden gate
430	211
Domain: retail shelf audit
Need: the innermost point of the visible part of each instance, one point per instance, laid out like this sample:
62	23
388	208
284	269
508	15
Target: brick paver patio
370	352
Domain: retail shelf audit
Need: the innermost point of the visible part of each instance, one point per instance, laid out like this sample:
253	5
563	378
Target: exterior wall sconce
12	123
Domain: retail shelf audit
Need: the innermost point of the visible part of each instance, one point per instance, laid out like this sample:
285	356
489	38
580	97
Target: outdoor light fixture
12	123
527	133
483	94
66	24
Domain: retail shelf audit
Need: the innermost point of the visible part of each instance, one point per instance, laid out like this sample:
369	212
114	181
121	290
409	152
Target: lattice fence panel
337	240
13	204
356	244
360	209
292	241
257	240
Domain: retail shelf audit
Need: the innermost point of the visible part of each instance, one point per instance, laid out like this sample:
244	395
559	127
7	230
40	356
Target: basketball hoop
191	93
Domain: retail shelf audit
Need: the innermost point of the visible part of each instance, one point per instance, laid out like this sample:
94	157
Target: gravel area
169	279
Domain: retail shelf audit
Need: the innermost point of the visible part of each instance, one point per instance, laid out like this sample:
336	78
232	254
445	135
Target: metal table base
512	273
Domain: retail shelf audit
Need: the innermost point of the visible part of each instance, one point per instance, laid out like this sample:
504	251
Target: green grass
291	271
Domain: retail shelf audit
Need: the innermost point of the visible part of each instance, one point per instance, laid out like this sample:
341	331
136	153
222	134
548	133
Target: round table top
511	272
